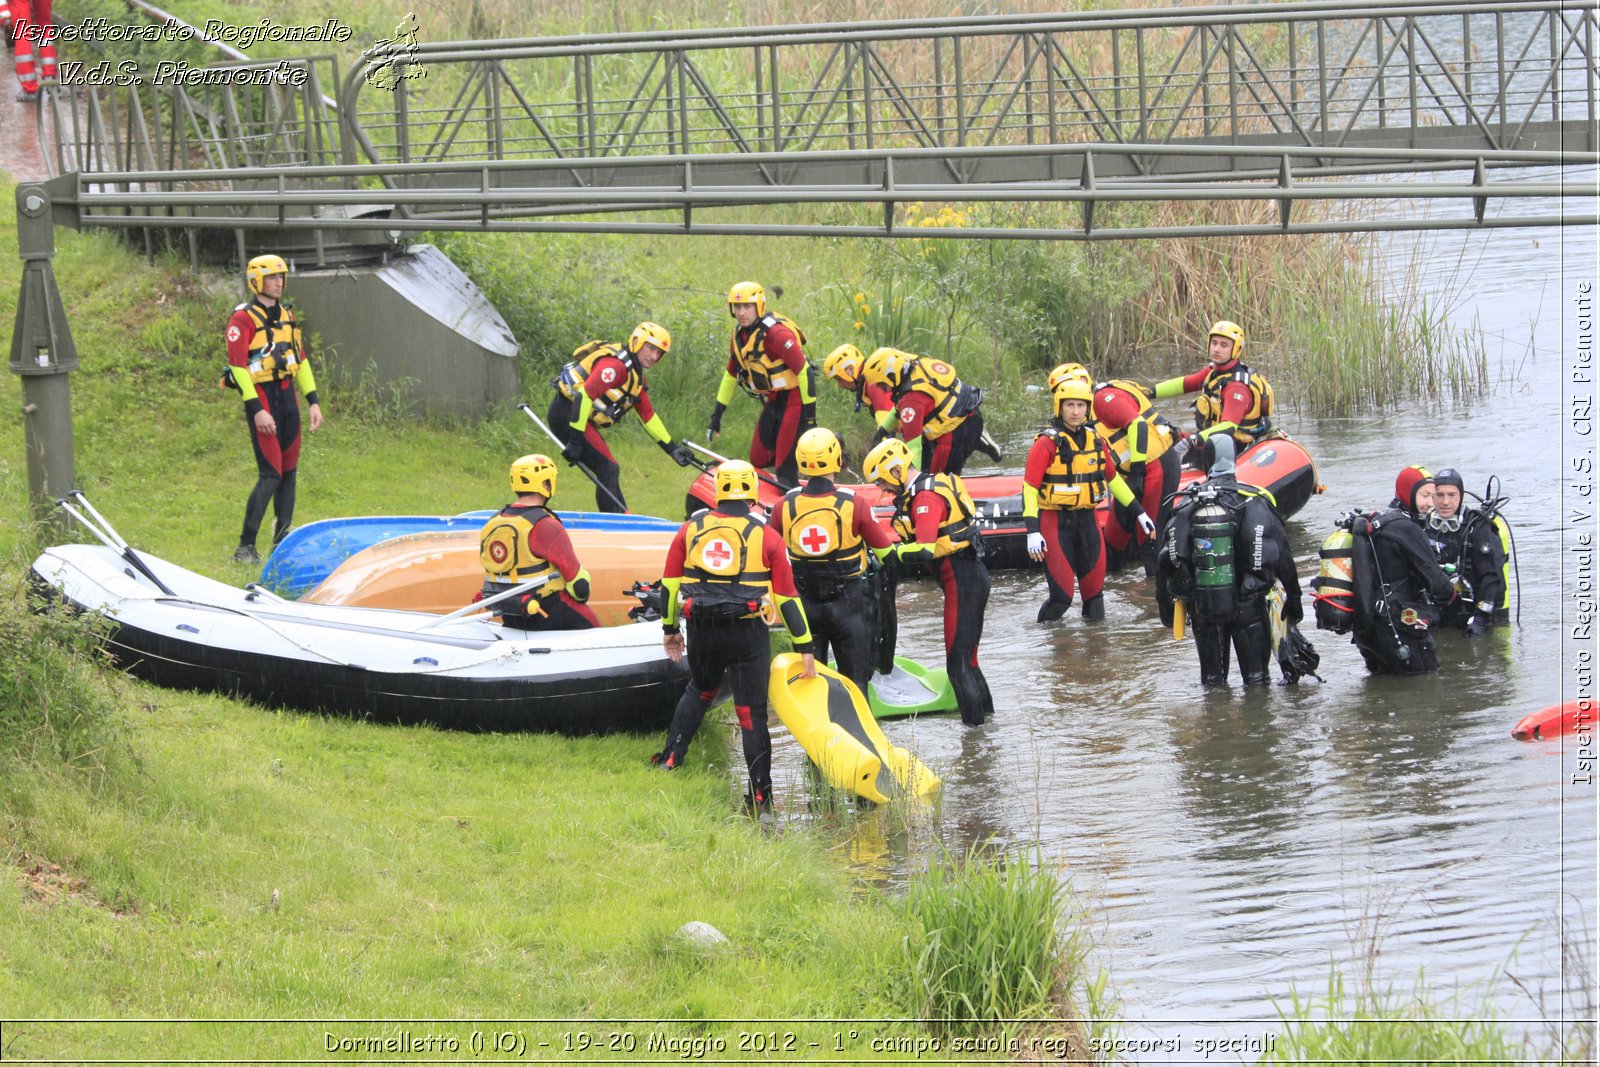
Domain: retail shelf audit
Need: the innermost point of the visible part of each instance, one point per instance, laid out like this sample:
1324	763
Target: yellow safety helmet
1072	389
819	452
649	333
886	366
736	480
1232	331
258	270
534	474
843	365
1067	370
748	293
888	462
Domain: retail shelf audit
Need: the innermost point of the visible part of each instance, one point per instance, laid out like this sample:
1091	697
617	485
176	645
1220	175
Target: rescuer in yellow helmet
767	359
936	413
1233	397
526	542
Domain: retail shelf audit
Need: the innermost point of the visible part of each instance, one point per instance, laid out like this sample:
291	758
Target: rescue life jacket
1208	405
820	533
1076	476
959	530
758	373
504	549
953	400
1160	434
275	351
618	399
1334	588
723	573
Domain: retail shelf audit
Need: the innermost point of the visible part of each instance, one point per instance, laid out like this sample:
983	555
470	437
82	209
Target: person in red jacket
936	521
767	359
600	386
33	39
725	565
1233	397
267	363
844	365
526	542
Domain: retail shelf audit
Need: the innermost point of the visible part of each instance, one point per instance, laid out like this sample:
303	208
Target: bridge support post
42	352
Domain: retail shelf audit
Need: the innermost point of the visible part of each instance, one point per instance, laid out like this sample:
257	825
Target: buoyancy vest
759	374
723	572
275	350
1076	476
958	531
820	533
1208	405
1160	434
618	399
504	549
953	400
1334	588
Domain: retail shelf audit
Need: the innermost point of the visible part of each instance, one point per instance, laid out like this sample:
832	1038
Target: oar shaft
537	421
763	475
525	587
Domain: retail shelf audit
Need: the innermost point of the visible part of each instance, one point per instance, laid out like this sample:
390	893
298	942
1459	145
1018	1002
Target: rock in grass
699	937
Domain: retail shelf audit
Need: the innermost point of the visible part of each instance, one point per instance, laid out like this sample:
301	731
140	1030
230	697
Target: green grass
1389	1026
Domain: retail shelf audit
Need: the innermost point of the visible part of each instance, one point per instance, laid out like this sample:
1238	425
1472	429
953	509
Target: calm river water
1235	846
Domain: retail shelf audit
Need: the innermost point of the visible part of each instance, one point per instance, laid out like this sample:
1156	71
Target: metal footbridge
1262	107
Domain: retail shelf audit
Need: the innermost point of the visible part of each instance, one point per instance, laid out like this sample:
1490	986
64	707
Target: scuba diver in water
1390	589
1219	554
1471	546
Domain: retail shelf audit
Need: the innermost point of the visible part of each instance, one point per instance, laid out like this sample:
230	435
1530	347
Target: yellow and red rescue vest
957	531
953	400
820	533
758	372
722	563
1076	476
618	399
1208	405
505	552
1160	435
275	351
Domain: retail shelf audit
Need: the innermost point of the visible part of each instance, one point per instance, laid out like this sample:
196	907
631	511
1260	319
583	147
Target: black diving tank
1211	534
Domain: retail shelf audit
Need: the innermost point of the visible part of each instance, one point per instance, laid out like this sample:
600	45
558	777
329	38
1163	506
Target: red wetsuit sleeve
241	328
1237	400
914	411
928	511
676	552
775	556
549	541
607	373
1116	407
1039	457
1194	381
646	410
869	529
879	397
780	343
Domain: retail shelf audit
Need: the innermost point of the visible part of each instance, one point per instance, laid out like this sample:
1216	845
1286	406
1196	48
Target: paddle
587	472
109	537
763	475
525	587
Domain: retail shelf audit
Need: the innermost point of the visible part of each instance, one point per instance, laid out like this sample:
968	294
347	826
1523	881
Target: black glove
1477	626
572	451
714	426
680	453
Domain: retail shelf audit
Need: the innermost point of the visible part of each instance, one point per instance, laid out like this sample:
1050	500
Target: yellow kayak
830	719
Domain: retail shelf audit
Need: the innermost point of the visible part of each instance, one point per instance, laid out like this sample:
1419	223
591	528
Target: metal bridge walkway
691	131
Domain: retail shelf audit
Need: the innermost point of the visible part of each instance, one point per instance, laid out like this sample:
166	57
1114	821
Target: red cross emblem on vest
815	540
719	553
498	551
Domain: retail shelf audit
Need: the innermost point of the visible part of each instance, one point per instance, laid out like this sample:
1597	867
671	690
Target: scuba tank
1211	537
1333	600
